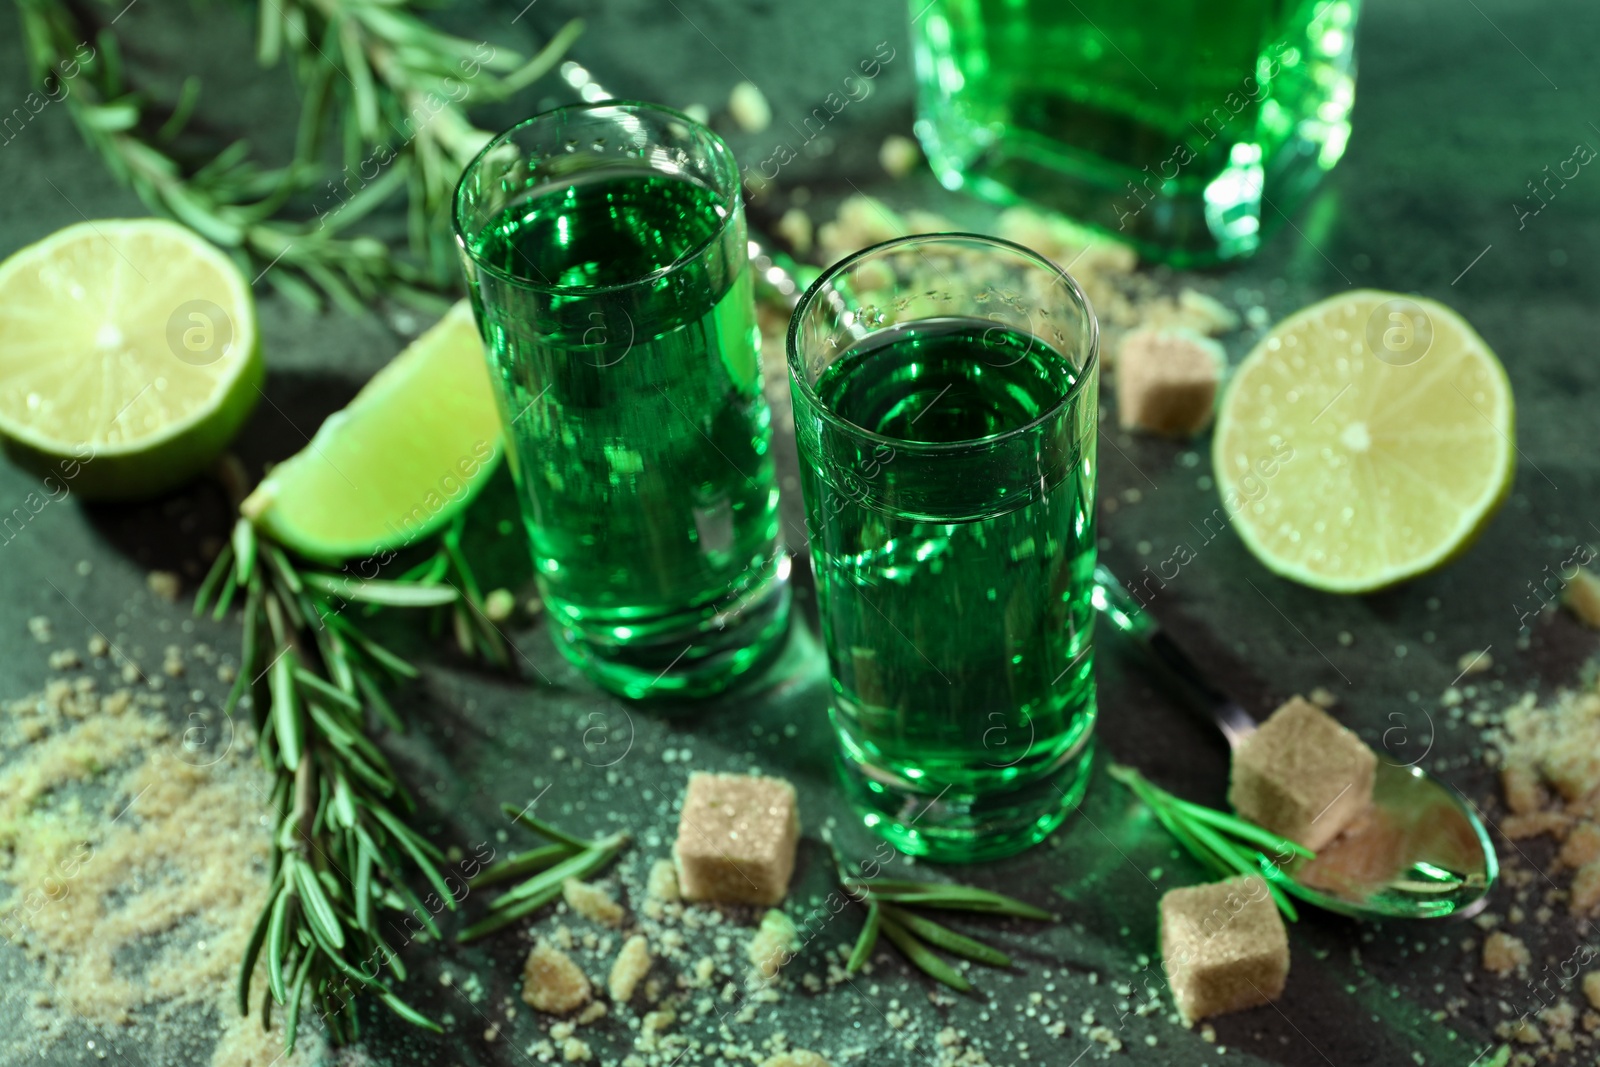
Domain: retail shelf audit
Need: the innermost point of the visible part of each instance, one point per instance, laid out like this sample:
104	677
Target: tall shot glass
945	397
604	246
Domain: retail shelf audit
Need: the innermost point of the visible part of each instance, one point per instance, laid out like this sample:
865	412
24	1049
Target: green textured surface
1457	109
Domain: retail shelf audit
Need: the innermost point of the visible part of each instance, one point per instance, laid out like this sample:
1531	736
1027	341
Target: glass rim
730	199
813	291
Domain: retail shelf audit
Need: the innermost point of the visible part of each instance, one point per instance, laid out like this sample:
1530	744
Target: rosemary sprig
568	857
342	846
393	100
1224	843
889	903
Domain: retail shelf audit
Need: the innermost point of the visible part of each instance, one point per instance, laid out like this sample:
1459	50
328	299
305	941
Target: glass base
954	827
697	654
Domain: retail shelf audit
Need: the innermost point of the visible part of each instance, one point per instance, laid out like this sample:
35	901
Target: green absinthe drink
1188	127
605	247
948	467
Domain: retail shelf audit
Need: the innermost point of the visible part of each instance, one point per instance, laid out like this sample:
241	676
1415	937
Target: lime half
408	453
1365	440
128	356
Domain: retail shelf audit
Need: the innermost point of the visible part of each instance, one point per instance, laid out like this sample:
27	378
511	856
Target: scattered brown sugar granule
1591	988
1582	598
1224	946
1586	889
1302	775
663	883
631	965
592	902
165	585
1167	381
551	982
736	838
1503	953
796	1058
775	942
1582	845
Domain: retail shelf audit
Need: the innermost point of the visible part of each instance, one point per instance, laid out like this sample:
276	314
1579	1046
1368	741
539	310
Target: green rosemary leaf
580	866
326	689
923	958
284	569
506	916
244	550
947	939
286	710
252	948
522	863
230	584
422	852
379	591
380	655
278	936
1236	827
317	909
344	806
866	942
379	782
955	898
407	1012
219	566
362	889
539	826
291	1015
374	694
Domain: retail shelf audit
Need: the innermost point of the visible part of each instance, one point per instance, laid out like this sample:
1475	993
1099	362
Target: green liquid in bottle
641	439
960	643
1186	128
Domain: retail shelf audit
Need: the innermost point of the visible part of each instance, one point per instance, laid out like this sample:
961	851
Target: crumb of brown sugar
65	659
631	965
551	982
795	228
1591	988
749	108
592	902
1323	698
898	155
41	629
1302	775
1503	953
1167	381
99	647
1474	662
663	882
1210	315
576	1050
775	943
736	838
1582	598
593	1013
164	584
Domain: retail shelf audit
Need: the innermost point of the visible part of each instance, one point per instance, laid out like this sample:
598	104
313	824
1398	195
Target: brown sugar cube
1302	775
1224	946
551	982
1582	598
1167	381
736	838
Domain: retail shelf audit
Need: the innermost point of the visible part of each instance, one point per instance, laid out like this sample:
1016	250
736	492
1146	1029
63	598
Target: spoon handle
1128	616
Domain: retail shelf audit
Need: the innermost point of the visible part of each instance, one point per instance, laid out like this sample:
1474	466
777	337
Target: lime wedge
1365	440
128	356
404	457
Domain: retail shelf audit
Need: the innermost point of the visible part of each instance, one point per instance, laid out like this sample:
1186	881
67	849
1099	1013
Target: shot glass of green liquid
605	250
945	400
